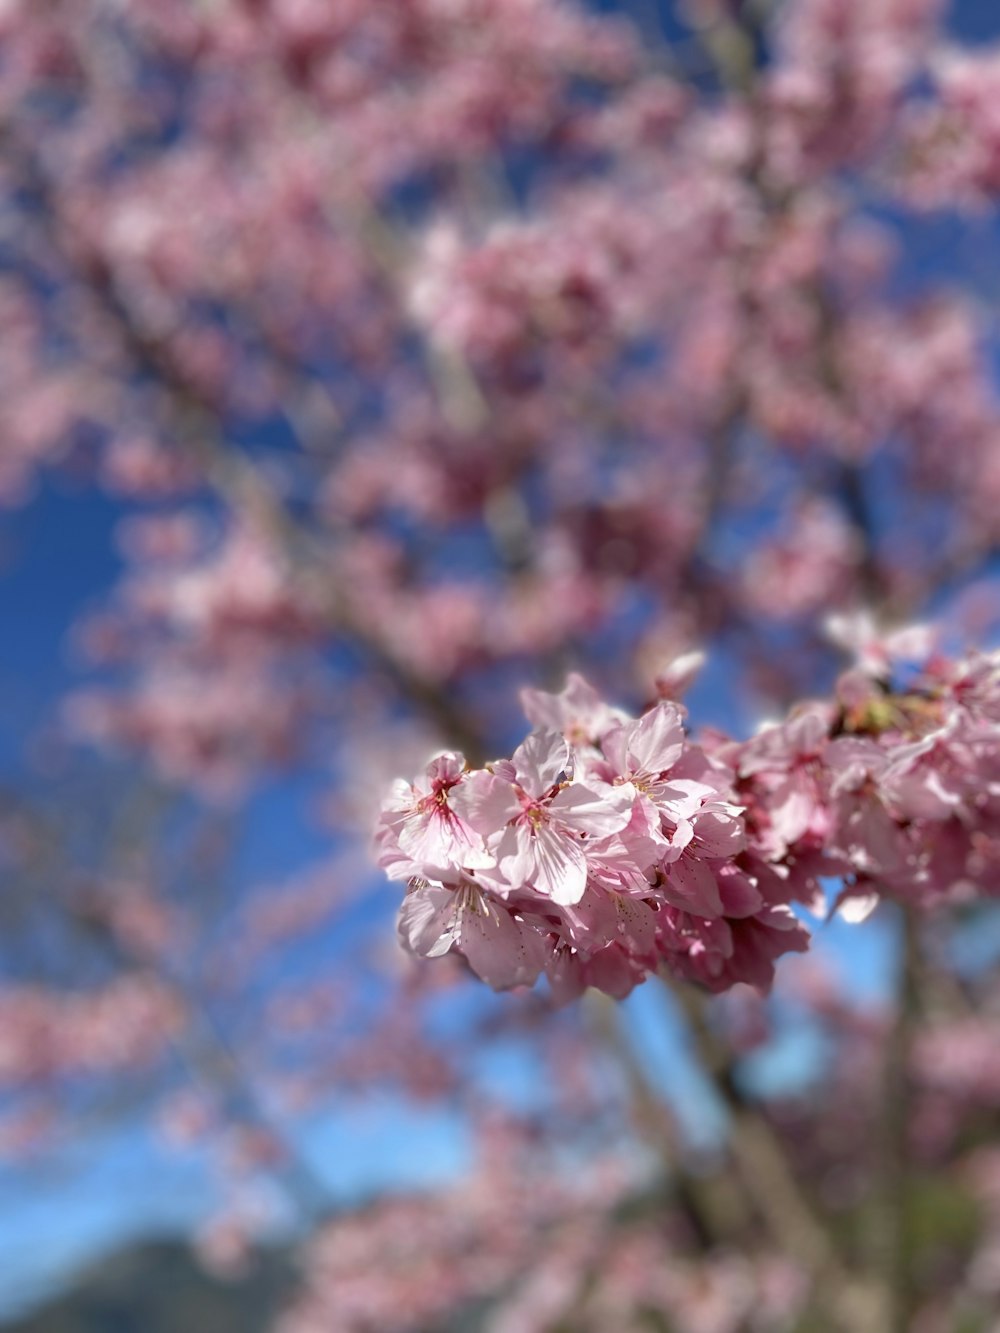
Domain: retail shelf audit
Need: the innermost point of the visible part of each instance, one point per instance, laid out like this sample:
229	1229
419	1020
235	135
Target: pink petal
692	886
657	739
501	951
545	859
678	675
636	925
681	798
594	813
426	925
719	835
539	760
613	972
740	896
592	922
574	706
448	767
485	802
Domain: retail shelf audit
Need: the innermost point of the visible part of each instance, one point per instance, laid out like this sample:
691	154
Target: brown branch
796	1225
715	1207
892	1242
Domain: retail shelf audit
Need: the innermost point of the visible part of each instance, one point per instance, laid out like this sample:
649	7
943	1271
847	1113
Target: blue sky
57	556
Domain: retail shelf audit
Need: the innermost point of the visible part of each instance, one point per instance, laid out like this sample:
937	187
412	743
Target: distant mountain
160	1287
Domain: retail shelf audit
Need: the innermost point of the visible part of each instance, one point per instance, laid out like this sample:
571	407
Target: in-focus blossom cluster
894	790
610	846
605	848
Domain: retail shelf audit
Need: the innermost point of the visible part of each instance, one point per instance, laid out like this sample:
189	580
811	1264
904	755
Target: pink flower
459	916
536	822
610	970
747	952
601	863
420	829
638	756
781	771
602	918
875	650
865	831
675	679
930	778
577	711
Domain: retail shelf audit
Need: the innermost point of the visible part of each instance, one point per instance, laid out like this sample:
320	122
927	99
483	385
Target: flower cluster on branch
608	847
605	848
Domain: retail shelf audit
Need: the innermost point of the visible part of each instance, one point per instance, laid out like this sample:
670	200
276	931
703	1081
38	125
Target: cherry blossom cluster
894	790
129	1023
609	846
843	73
951	145
219	629
605	848
429	346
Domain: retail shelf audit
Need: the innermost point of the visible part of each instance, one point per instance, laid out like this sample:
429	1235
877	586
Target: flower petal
501	951
539	760
546	859
427	920
598	814
657	739
691	884
485	802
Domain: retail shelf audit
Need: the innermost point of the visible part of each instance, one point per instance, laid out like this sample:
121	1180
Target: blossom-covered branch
608	846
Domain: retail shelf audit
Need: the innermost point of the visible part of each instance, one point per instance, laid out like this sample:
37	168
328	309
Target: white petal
596	813
485	802
427	921
544	859
501	951
560	866
857	907
657	740
539	760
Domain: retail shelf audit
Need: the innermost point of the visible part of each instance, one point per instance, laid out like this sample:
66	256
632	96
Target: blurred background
361	364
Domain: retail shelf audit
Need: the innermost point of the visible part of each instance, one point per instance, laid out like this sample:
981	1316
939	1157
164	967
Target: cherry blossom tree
451	358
